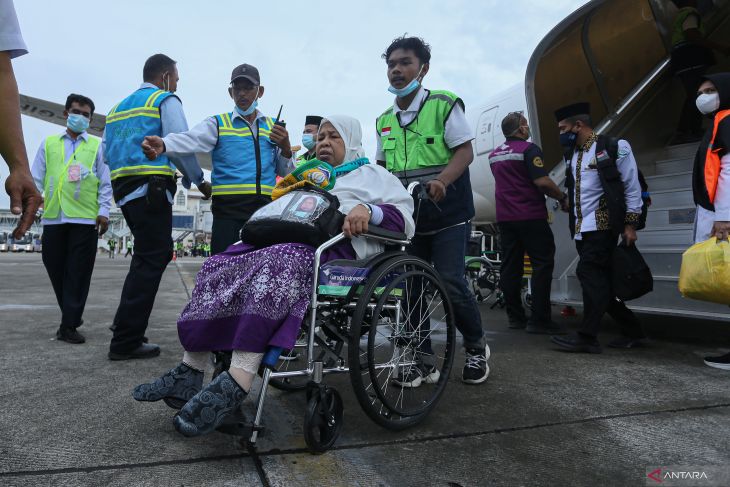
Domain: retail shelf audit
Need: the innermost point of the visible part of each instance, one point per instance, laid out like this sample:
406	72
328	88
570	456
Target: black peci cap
581	108
313	120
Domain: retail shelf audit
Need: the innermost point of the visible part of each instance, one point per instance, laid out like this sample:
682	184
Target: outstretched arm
24	197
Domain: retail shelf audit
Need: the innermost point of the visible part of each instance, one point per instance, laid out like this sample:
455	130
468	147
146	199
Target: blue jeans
447	250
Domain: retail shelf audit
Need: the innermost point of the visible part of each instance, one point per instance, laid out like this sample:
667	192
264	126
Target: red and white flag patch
385	131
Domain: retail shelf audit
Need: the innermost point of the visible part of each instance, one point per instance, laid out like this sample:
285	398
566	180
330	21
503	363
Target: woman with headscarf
711	174
249	299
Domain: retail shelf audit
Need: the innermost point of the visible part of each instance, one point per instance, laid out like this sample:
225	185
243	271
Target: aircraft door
485	131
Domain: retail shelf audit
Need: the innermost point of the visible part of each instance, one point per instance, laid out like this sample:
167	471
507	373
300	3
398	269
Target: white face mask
708	103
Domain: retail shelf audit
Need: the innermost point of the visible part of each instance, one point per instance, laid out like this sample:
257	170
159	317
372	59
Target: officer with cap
605	203
521	183
248	149
309	137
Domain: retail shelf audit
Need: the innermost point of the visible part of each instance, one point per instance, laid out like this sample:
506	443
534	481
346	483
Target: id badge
74	173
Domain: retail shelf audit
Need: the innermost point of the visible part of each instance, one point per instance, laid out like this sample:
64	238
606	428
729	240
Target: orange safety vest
712	158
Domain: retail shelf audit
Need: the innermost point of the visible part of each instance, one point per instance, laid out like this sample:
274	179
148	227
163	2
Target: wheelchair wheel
323	419
400	366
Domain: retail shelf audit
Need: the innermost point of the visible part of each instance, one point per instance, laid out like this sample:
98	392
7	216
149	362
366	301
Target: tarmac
543	417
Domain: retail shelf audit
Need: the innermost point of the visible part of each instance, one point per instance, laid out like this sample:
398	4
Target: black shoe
208	408
721	362
577	343
145	350
476	369
628	342
69	335
176	387
517	324
550	328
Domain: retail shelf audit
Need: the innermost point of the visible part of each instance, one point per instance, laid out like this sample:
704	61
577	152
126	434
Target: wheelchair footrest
238	425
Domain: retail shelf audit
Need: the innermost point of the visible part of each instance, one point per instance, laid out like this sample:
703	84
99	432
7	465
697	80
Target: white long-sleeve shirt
589	190
204	136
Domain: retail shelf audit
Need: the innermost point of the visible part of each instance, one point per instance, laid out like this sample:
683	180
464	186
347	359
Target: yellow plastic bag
705	272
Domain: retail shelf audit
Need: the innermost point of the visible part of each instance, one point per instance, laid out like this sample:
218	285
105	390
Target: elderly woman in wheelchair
254	297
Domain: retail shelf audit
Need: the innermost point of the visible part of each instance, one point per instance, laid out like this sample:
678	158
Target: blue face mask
567	139
308	141
77	123
250	109
408	89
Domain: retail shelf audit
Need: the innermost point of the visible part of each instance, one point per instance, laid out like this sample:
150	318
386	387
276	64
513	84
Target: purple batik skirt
248	299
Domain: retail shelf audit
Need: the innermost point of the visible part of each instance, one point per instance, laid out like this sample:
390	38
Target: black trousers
225	231
536	238
151	226
594	272
69	252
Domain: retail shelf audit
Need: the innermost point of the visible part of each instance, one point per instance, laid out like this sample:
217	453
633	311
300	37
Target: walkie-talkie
280	122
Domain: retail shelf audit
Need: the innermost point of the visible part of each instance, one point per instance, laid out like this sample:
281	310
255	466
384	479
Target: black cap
581	108
313	120
246	71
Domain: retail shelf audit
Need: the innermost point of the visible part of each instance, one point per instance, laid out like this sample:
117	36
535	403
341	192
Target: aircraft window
485	131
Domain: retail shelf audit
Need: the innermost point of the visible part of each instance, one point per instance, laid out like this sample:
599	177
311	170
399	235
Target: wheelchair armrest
379	232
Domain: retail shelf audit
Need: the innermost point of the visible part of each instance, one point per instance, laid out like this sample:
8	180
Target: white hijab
369	183
350	131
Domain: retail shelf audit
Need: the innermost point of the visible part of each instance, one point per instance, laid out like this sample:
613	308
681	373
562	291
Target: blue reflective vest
242	163
127	124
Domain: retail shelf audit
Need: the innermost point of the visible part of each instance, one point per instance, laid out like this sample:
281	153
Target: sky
316	57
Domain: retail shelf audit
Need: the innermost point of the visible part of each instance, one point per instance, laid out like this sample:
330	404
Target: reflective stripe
153	98
243	132
142	171
134	112
439	96
415	173
507	157
222	189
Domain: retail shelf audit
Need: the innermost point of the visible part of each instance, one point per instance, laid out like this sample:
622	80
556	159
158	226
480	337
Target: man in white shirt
605	202
70	170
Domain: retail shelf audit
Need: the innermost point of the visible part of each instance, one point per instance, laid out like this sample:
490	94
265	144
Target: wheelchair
376	319
482	268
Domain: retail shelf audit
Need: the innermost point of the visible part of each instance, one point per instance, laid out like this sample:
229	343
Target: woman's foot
176	387
208	408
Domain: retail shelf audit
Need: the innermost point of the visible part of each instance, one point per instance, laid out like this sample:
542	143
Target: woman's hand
356	222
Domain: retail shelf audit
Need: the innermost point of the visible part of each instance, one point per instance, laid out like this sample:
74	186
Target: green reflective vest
77	199
420	144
